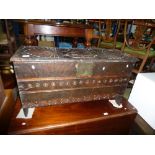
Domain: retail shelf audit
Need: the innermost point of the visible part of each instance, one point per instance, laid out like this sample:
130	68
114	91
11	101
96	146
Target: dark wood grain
77	118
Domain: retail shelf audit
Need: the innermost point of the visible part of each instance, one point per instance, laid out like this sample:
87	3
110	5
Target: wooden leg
25	110
118	100
75	42
142	65
88	37
98	42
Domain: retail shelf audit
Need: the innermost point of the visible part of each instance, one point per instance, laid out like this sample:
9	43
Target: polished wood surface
6	111
36	27
98	117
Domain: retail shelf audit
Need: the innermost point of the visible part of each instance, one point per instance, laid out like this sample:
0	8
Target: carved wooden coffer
51	76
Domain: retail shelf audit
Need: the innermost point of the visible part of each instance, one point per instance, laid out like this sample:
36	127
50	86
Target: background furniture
96	36
7	43
137	44
33	28
109	31
98	117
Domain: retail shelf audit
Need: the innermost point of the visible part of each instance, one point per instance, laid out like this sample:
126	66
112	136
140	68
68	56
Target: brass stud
81	82
37	85
53	84
111	80
99	81
116	80
74	83
87	81
29	85
67	83
45	84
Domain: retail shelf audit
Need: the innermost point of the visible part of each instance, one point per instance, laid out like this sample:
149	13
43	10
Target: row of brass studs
74	83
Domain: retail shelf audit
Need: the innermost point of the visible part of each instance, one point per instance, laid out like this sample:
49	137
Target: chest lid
35	53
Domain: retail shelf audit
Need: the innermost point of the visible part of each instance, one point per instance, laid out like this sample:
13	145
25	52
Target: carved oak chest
51	76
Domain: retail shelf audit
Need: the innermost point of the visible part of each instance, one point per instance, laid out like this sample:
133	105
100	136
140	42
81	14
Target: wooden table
37	27
97	117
